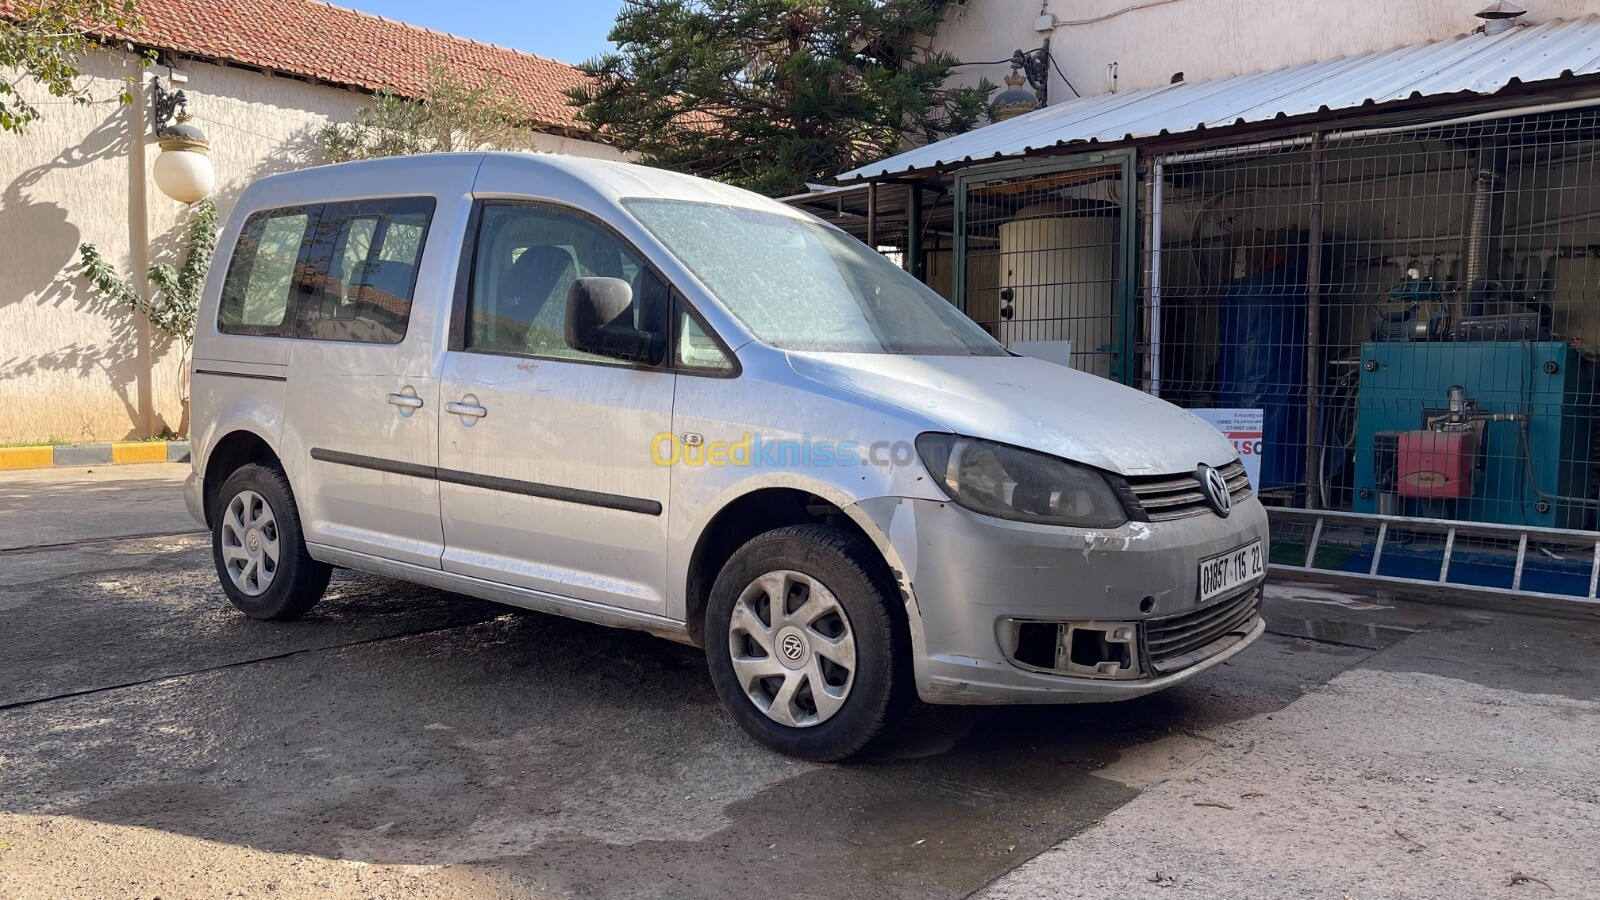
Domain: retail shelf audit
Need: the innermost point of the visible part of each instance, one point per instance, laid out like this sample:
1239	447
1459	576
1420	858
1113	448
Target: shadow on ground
399	724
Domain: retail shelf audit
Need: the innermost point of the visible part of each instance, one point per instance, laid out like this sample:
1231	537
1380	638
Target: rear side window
364	263
264	274
334	272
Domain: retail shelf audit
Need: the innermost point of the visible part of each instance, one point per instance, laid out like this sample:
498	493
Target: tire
766	663
252	515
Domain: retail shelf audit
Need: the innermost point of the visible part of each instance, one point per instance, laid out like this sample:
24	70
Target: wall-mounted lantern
1014	100
183	171
1027	68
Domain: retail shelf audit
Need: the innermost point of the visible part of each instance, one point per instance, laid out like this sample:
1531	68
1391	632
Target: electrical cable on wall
1064	80
1111	15
1043	51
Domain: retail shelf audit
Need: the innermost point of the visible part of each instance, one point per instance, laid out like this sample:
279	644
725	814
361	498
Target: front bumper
966	573
976	682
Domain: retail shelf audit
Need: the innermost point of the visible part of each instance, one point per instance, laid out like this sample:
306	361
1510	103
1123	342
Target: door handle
405	401
466	409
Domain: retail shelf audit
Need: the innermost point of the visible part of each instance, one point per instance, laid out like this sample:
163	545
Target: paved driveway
407	742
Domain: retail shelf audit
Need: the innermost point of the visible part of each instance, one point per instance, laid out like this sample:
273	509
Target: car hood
1033	404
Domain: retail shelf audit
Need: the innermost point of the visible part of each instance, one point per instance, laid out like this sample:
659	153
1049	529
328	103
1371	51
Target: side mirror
600	321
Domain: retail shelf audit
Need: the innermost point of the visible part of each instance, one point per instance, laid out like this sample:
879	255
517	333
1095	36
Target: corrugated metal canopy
1471	63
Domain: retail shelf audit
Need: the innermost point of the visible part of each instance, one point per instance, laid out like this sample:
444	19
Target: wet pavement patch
1364	635
118	613
1529	654
401	725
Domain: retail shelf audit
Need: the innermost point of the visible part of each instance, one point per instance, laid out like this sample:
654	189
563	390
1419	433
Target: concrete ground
405	742
41	507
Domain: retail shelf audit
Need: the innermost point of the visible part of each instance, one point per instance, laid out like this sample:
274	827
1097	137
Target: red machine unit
1435	464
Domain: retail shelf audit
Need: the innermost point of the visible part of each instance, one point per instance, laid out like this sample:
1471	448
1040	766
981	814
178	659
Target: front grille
1167	497
1177	642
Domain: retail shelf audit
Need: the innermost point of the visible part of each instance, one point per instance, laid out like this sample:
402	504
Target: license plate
1236	568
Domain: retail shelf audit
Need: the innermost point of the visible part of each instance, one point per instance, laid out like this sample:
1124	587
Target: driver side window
526	261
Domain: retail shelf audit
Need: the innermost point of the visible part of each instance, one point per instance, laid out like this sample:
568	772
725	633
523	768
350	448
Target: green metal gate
1046	258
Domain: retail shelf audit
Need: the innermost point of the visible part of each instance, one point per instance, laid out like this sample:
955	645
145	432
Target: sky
569	30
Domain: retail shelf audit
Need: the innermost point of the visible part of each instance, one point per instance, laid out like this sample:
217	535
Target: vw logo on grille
1215	488
792	647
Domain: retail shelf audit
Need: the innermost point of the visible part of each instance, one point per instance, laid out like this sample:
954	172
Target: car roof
542	174
622	180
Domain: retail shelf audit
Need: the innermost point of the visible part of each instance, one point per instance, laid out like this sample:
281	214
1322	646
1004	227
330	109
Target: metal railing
1442	557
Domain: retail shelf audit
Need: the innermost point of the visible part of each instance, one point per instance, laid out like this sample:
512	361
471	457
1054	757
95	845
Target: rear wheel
802	644
259	548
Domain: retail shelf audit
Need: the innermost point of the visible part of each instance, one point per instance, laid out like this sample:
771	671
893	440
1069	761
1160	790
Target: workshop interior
1417	314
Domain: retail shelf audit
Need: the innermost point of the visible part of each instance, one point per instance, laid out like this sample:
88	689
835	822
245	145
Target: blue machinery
1528	408
1473	477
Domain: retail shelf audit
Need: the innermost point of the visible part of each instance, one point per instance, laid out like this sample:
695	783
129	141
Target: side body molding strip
491	483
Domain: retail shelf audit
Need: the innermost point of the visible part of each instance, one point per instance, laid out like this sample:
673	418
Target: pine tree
771	94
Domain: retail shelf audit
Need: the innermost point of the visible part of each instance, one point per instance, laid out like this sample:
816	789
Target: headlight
1012	483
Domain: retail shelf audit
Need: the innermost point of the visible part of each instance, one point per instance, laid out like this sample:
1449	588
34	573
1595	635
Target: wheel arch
236	449
766	508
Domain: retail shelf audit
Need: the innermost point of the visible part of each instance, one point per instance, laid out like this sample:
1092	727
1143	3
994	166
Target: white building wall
1150	40
73	368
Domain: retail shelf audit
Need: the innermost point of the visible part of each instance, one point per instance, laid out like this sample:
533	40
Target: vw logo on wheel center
1215	488
792	648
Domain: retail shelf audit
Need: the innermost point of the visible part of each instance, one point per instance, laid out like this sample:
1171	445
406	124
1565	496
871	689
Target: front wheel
803	643
259	548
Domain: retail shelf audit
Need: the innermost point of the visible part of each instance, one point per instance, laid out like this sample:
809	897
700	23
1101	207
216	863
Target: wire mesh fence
1412	318
1393	325
1043	266
882	217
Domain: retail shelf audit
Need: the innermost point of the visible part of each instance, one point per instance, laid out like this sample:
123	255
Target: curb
118	453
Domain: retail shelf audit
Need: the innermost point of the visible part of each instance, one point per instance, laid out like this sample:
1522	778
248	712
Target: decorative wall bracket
1035	66
165	107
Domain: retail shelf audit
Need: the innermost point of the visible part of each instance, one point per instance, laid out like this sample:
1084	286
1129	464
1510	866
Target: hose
1533	482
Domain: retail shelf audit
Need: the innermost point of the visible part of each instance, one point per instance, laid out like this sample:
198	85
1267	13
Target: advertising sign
1242	427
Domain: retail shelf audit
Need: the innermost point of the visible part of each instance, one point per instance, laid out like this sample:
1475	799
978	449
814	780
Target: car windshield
801	285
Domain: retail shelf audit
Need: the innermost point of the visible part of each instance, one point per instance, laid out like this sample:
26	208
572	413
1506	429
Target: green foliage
177	301
770	94
454	115
44	41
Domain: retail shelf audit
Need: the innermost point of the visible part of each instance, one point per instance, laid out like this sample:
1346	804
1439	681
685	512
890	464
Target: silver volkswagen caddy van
657	402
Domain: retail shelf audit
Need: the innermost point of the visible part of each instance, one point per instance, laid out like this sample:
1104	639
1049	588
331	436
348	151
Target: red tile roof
346	47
